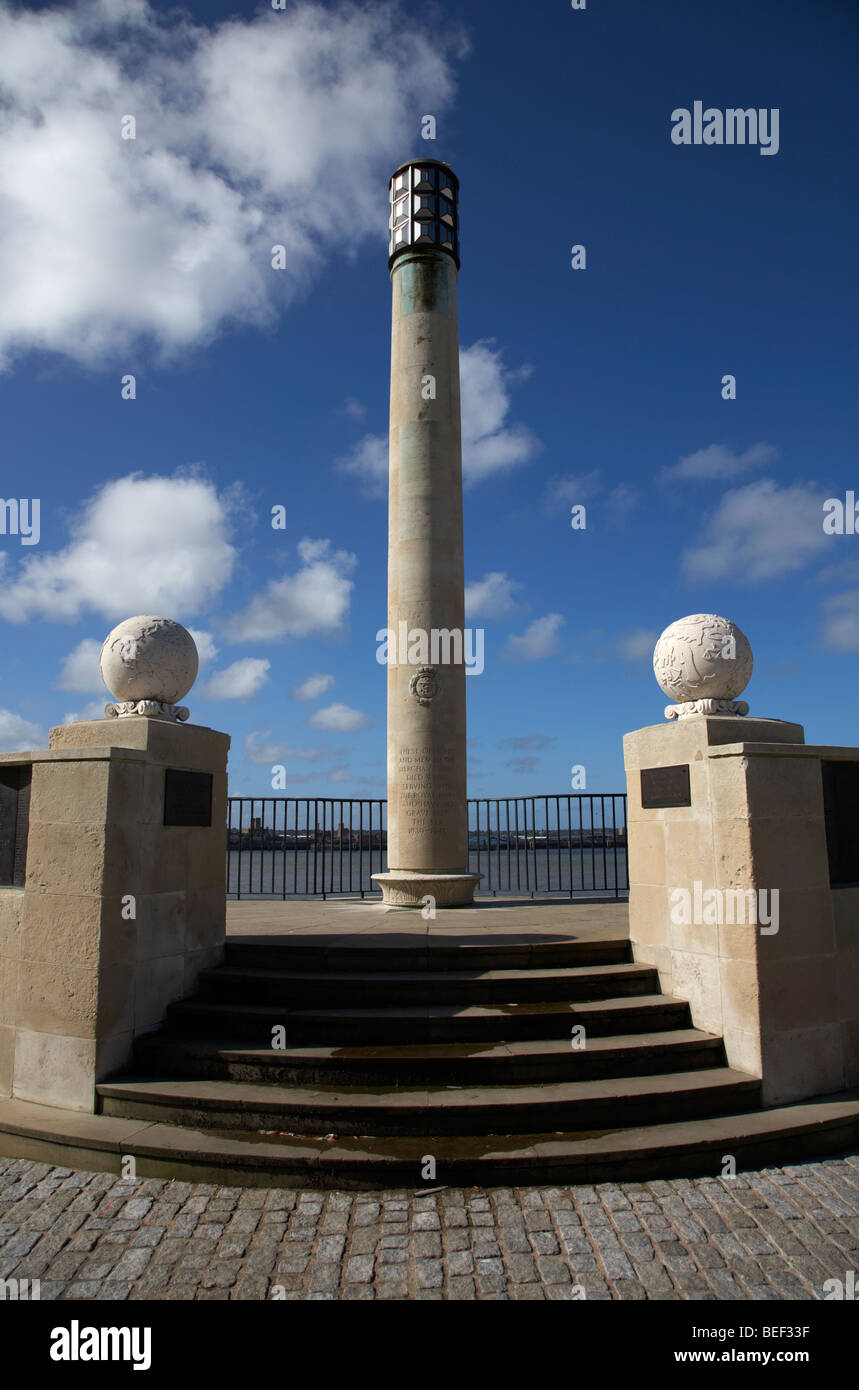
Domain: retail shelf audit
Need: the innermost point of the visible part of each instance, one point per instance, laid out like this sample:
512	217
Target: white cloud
491	596
281	129
760	531
18	735
524	743
623	498
637	645
93	710
275	752
522	766
80	670
205	644
490	444
340	774
312	688
314	599
841	629
539	640
141	545
719	462
239	681
368	460
339	717
573	488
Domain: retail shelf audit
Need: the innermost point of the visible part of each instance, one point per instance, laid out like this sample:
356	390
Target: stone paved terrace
364	921
777	1234
773	1234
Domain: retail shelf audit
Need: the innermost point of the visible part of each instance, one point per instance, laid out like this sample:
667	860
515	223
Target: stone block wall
785	1002
119	913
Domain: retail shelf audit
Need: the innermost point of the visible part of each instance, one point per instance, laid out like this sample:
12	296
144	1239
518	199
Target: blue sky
257	387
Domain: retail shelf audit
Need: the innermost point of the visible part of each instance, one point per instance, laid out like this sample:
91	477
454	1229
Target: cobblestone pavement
775	1234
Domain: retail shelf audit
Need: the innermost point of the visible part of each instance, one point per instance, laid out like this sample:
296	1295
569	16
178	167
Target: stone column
427	811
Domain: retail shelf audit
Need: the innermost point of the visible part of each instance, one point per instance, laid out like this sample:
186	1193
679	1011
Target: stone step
331	987
426	953
689	1147
476	1111
635	1054
421	1025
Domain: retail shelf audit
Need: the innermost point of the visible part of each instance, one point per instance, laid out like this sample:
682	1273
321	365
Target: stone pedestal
119	912
785	1002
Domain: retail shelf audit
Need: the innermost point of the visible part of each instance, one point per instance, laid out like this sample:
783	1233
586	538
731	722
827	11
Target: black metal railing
279	846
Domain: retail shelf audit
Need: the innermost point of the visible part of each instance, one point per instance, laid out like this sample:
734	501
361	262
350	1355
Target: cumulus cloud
522	766
93	710
80	669
250	133
239	681
841	627
637	645
573	489
523	743
314	599
205	644
273	751
18	735
312	688
368	460
490	443
340	717
539	640
491	596
760	531
140	545
720	462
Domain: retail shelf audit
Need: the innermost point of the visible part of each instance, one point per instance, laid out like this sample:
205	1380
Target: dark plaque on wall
841	812
14	817
187	797
665	786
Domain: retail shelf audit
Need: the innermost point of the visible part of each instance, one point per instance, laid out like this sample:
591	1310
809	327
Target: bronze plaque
665	786
187	797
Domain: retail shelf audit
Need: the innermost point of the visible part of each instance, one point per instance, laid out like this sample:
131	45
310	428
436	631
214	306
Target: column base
409	888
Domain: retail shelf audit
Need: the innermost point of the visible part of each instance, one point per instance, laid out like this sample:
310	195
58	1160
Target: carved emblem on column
424	685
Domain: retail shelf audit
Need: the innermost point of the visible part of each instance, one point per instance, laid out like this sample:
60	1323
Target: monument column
427	811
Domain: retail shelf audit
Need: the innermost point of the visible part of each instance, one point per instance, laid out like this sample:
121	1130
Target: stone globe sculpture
703	662
148	664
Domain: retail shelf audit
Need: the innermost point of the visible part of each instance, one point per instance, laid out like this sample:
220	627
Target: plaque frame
187	797
664	787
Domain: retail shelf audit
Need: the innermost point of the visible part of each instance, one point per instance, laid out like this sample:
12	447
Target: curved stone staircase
459	1052
463	1053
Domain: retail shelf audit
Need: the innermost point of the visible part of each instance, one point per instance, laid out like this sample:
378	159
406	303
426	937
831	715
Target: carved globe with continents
148	664
703	662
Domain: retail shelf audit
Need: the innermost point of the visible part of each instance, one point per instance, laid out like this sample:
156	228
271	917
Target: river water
262	873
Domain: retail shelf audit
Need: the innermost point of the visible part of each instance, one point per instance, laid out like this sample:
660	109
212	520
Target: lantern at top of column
424	209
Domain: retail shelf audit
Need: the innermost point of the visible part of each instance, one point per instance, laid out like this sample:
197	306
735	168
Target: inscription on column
425	796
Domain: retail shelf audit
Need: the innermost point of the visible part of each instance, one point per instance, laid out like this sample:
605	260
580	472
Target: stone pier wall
119	912
785	1002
